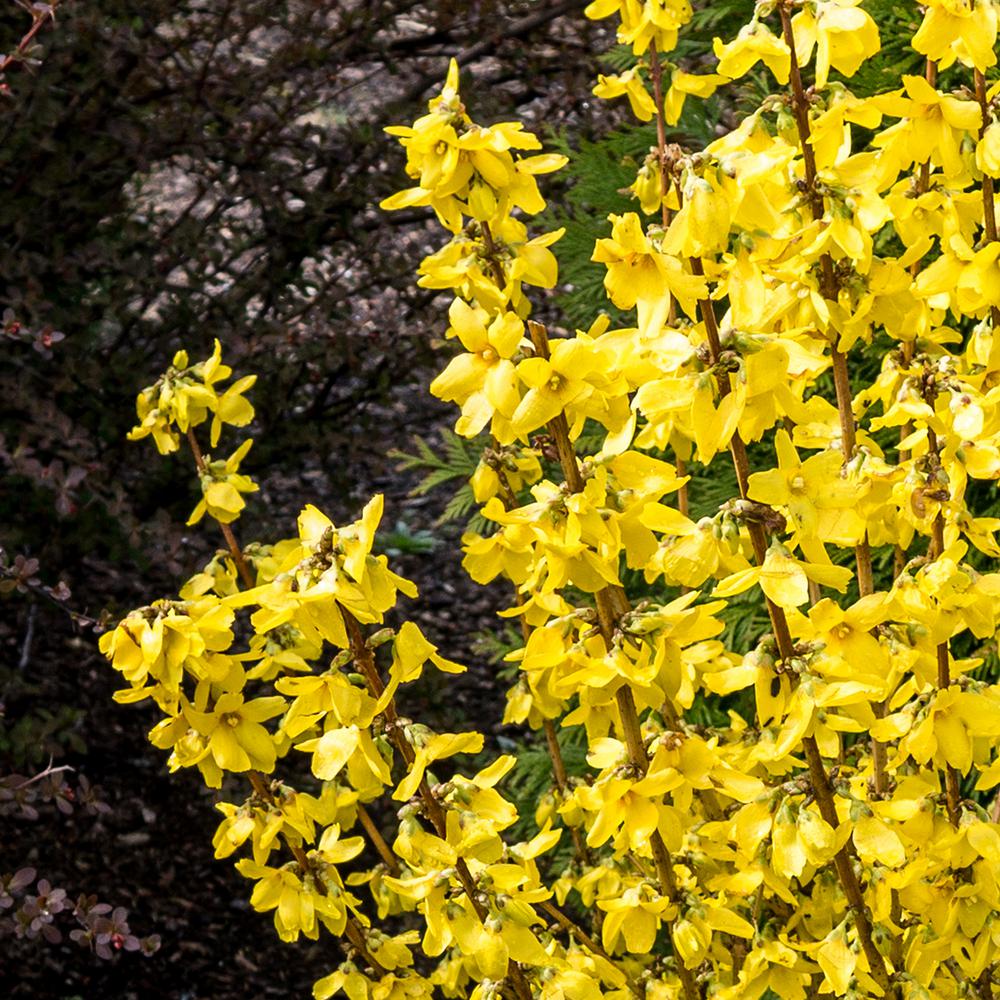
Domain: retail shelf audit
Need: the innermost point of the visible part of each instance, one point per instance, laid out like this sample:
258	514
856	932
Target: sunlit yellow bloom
483	381
644	22
844	36
222	485
630	84
807	489
641	276
683	85
236	739
965	30
754	44
934	124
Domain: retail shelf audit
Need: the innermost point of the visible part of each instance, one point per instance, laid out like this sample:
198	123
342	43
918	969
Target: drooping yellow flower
988	151
784	579
965	30
222	486
183	397
639	275
754	43
644	22
934	125
630	85
682	85
844	36
483	381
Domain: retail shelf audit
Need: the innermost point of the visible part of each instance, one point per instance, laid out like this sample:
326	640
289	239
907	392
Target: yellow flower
988	151
519	466
236	739
437	747
232	408
753	44
465	266
640	275
807	489
482	381
784	579
964	279
300	906
466	169
701	227
630	84
264	824
684	84
965	30
844	36
644	22
174	403
352	747
837	960
183	397
163	641
934	125
635	917
556	382
222	487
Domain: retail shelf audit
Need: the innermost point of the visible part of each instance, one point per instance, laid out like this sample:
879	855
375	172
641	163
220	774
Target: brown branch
656	72
841	378
40	20
496	268
819	780
990	225
375	836
587	941
943	656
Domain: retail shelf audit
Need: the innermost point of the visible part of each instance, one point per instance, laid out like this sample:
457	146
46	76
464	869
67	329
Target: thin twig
40	20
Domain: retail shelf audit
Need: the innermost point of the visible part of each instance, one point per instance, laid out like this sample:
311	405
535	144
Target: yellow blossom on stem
235	737
222	487
843	34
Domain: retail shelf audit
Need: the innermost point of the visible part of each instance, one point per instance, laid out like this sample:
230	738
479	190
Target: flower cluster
833	829
279	651
185	395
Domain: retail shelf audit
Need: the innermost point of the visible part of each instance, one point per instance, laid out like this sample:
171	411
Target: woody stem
990	226
943	656
819	780
841	379
375	836
656	72
509	501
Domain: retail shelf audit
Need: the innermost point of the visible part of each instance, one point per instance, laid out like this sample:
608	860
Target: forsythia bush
834	831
